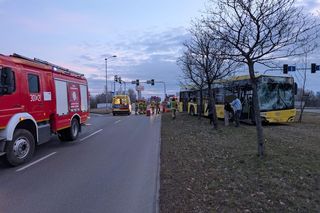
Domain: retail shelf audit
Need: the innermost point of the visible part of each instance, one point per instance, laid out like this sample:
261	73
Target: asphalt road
112	167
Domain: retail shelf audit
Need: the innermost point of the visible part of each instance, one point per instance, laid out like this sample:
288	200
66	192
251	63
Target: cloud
51	21
137	50
148	55
144	56
312	6
2	11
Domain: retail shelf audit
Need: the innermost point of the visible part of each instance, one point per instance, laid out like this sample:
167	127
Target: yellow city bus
121	105
276	98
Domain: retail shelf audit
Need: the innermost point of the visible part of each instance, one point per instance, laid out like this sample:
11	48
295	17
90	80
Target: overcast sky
146	36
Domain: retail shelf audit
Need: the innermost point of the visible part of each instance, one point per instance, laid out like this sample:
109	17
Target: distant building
103	105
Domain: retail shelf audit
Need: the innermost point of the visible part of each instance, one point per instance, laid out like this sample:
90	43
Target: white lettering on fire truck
35	97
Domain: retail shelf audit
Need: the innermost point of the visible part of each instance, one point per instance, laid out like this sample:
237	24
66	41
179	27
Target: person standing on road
152	106
136	107
157	107
173	108
140	107
237	107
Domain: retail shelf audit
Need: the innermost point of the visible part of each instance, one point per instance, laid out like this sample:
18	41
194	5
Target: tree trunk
256	108
212	103
301	110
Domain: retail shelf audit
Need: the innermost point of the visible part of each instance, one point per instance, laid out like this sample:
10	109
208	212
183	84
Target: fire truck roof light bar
54	67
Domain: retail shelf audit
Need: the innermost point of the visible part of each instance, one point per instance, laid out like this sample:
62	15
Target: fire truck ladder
54	66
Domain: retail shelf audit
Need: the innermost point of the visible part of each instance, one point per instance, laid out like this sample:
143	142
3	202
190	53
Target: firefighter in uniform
152	106
173	107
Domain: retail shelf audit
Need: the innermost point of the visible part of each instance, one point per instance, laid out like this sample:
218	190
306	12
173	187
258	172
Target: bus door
246	94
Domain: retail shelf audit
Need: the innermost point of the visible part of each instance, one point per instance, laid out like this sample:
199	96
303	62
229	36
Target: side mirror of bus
7	81
295	88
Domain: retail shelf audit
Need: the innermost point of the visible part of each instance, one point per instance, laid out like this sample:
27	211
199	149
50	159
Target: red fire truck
38	99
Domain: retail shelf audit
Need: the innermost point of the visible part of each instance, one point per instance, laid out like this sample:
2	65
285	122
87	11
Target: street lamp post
164	87
106	59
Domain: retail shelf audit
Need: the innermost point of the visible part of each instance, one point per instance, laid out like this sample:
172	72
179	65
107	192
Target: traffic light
116	78
285	69
119	80
137	82
152	82
313	68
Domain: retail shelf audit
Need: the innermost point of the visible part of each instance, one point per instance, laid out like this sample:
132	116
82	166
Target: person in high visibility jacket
158	107
152	106
174	106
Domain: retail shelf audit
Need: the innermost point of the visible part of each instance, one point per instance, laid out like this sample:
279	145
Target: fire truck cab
38	99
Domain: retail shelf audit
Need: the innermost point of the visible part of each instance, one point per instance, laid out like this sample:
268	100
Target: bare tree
260	31
209	59
304	98
192	77
132	94
93	102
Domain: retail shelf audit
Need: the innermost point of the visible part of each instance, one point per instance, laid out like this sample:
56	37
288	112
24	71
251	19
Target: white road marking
117	121
88	124
98	115
82	139
37	161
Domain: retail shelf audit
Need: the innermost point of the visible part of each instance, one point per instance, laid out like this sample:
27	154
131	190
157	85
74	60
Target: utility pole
106	60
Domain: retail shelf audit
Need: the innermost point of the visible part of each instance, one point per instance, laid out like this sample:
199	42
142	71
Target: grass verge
207	170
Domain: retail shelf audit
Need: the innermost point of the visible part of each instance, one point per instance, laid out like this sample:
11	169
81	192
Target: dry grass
206	170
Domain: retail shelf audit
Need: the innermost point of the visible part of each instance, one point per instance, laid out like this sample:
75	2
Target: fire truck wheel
73	131
62	135
21	148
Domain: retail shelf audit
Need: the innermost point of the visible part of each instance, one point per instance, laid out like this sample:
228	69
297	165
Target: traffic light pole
164	87
150	82
281	69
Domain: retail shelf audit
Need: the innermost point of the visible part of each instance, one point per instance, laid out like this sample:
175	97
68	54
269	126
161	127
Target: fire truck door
11	104
35	99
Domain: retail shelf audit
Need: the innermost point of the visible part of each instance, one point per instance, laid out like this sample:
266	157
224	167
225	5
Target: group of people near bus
155	107
140	107
232	110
